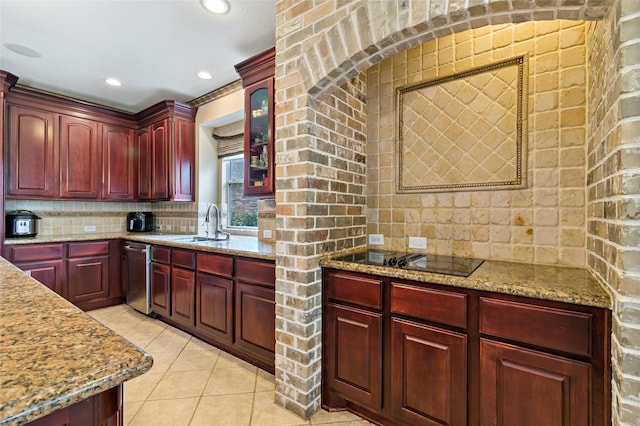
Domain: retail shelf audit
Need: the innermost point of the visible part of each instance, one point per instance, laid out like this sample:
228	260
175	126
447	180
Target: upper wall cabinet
32	153
166	142
257	75
60	149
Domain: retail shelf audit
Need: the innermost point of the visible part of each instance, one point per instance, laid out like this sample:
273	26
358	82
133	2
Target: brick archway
322	49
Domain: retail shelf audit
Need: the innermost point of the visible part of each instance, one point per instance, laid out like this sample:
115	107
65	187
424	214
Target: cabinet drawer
551	328
429	304
354	289
184	258
215	264
161	254
28	253
96	248
255	271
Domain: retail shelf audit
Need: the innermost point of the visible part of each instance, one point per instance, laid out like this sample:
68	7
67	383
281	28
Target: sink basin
197	239
192	239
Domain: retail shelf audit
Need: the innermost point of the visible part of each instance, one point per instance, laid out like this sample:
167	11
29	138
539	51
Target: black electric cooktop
449	265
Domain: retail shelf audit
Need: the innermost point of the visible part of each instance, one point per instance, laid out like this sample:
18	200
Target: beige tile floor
193	383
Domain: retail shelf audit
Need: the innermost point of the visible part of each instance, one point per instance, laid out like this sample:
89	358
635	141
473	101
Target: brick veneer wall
543	223
614	190
321	47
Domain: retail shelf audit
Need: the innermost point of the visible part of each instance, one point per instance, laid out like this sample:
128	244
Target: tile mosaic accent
464	131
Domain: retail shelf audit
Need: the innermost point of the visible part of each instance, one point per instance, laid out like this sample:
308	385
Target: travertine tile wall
320	46
71	217
544	223
613	213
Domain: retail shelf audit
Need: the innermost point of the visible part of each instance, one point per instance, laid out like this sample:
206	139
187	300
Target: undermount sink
198	239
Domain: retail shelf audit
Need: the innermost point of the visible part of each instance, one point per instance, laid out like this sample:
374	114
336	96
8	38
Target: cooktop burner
449	265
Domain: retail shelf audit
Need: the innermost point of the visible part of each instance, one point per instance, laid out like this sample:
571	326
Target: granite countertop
53	354
561	284
237	245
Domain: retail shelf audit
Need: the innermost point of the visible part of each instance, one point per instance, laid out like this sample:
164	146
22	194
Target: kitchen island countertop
237	245
52	354
547	282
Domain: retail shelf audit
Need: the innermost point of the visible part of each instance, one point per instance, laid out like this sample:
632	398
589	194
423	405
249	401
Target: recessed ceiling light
219	7
204	75
112	82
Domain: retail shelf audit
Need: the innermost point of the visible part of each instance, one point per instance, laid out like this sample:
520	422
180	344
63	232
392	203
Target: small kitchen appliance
21	223
140	222
449	265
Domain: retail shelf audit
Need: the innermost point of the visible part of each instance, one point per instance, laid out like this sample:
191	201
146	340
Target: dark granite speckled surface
53	355
562	284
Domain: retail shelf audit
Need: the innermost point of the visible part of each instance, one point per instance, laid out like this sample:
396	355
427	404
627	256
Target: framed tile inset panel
466	131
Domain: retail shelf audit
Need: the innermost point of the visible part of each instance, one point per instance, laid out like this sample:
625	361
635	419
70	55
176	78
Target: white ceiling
155	47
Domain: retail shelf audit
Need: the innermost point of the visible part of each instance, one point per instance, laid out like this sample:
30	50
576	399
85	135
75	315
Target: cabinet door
79	158
256	321
353	347
161	288
183	161
259	131
32	151
144	165
214	307
529	388
160	161
50	273
429	379
183	296
88	278
118	160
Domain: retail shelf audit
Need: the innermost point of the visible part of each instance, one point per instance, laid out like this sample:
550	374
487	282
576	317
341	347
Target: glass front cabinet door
257	75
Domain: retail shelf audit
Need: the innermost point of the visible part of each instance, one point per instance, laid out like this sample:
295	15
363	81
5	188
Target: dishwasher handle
135	249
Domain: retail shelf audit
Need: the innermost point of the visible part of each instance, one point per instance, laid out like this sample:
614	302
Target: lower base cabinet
85	273
532	388
429	380
227	301
407	353
103	409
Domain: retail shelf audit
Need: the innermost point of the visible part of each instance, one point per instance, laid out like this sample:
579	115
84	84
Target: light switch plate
267	233
417	242
376	239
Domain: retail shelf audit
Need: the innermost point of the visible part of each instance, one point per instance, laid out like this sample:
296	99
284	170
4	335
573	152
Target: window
237	211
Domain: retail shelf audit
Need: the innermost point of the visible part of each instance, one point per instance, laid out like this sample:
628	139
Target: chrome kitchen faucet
218	232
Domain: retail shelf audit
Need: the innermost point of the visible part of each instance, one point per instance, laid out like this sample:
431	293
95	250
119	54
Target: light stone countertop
53	354
561	284
237	245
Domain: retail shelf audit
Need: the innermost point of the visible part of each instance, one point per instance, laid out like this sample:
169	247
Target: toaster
140	222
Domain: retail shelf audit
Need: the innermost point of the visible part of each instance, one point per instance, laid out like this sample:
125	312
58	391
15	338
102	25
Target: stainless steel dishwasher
138	276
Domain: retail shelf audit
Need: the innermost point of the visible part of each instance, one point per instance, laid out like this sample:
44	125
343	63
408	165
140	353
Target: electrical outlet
167	228
376	239
418	243
90	228
267	233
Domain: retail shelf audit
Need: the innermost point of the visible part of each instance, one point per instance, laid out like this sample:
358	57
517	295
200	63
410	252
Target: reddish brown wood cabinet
161	280
43	262
452	356
257	74
166	143
214	296
32	153
80	158
183	287
103	409
85	273
61	149
225	300
118	163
